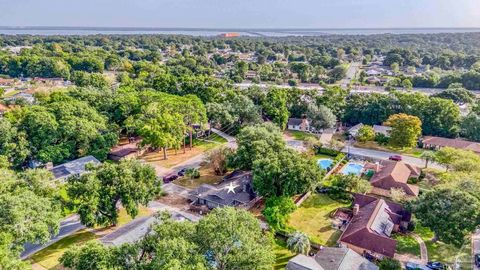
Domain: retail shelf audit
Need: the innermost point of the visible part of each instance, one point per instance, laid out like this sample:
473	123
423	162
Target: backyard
313	218
282	254
439	251
298	135
406	244
176	157
207	176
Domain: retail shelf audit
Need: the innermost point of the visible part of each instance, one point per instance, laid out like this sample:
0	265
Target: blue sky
242	13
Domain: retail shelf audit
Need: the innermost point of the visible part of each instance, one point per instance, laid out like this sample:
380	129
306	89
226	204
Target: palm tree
428	156
298	242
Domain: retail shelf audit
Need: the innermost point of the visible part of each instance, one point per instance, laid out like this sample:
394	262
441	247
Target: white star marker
231	188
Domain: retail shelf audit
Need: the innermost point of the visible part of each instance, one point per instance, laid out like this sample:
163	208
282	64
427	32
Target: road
68	226
351	72
375	154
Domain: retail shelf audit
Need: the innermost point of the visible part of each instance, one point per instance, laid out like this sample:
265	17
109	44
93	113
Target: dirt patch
175	201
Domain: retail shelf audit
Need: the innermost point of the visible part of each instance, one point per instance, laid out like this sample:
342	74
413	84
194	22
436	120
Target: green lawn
207	176
282	254
406	244
443	252
49	256
312	218
299	135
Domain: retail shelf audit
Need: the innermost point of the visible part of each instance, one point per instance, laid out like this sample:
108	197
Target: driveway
68	226
375	154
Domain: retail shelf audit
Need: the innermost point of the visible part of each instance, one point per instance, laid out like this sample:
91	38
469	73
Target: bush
192	173
277	211
381	139
327	151
389	264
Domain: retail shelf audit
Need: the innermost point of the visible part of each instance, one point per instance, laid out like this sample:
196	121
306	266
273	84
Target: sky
242	13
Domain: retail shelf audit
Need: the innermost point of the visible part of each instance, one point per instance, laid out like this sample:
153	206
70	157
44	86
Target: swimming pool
325	163
352	168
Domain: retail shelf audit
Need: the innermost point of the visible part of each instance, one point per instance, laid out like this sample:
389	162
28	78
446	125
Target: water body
215	32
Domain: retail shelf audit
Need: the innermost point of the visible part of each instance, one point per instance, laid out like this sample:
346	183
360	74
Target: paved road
351	72
375	154
68	226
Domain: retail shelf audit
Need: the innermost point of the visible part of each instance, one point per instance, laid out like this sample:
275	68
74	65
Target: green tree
428	156
389	264
275	106
299	243
277	211
320	117
235	240
459	212
98	193
406	129
471	127
91	256
285	173
457	94
440	117
366	133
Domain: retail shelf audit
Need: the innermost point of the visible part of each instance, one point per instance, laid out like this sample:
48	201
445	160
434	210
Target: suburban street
68	226
351	72
375	154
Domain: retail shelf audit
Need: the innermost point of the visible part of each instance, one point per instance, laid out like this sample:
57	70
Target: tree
428	156
277	211
98	193
350	183
217	159
440	117
320	117
234	240
457	159
275	106
471	127
457	94
407	84
397	195
450	214
285	173
334	98
337	73
406	129
389	264
298	242
366	133
9	257
91	256
255	142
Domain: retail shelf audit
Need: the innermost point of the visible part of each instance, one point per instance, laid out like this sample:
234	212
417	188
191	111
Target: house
372	223
126	151
136	229
236	190
73	168
353	131
392	174
330	258
301	124
251	74
373	72
6	82
436	143
25	96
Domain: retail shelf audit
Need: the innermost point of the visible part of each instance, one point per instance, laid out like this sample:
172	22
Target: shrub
192	173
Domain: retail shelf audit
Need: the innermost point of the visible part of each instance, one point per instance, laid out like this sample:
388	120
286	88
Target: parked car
415	266
437	266
477	259
182	172
169	178
395	158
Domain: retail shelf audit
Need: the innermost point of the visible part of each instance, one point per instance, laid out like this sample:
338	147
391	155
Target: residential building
392	174
436	143
25	96
235	190
353	131
126	151
330	258
372	223
73	168
300	124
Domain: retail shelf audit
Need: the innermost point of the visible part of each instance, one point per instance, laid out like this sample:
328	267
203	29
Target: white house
300	124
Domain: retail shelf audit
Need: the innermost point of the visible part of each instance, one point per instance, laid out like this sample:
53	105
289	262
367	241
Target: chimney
377	166
356	208
49	166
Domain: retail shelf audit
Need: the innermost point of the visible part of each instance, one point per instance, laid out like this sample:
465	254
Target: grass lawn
207	176
319	156
407	244
282	254
49	256
299	135
443	252
124	218
312	218
174	159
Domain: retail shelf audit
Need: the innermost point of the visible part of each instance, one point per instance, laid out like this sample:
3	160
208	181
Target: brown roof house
330	258
392	174
126	151
372	224
439	142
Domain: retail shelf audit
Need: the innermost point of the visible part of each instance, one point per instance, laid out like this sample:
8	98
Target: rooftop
74	167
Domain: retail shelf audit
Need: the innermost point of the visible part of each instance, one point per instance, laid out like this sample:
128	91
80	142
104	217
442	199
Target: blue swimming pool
352	168
325	163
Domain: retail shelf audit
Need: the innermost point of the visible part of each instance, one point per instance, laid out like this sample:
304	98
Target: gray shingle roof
330	258
74	167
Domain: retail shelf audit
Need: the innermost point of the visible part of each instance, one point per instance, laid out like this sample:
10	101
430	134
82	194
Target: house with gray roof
73	168
330	258
235	190
29	98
